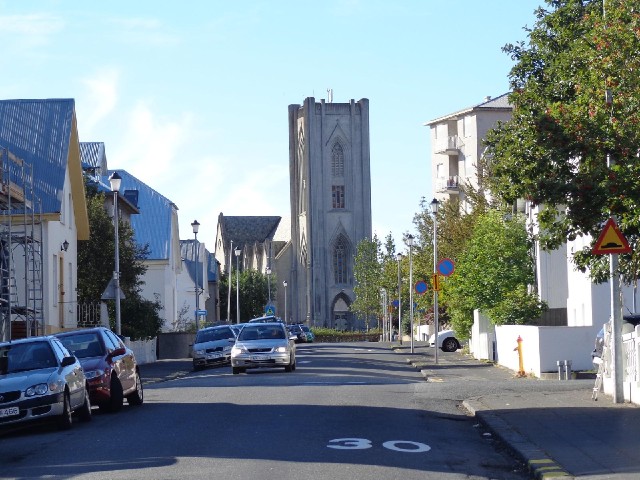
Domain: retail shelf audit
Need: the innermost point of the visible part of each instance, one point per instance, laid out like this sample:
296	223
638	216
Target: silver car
40	379
263	345
213	346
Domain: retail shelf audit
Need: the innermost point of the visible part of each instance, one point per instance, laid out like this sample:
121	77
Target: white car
447	341
263	345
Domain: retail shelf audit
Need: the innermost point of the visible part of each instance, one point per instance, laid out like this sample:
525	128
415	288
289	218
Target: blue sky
191	97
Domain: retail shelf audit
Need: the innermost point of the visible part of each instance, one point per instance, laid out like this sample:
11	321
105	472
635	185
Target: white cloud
98	100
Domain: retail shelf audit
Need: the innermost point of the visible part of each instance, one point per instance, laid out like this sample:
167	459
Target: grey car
40	379
263	345
213	346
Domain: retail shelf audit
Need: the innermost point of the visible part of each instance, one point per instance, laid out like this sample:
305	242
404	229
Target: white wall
542	347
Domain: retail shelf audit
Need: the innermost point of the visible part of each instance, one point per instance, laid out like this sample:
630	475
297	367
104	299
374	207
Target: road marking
418	447
405	446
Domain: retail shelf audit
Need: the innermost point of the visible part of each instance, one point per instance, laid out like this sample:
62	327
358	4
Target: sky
192	97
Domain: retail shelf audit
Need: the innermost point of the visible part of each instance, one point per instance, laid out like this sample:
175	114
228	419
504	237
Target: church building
330	189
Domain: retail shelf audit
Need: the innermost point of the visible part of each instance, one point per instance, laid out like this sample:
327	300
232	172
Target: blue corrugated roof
153	225
39	132
188	254
93	156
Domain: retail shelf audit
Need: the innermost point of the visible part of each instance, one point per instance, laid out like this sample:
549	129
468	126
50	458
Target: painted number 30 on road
362	444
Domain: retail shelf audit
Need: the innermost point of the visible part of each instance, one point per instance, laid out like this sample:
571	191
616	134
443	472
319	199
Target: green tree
254	294
572	144
96	257
492	274
367	272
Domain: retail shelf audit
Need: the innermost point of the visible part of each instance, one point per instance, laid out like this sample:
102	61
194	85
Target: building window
337	196
337	160
340	261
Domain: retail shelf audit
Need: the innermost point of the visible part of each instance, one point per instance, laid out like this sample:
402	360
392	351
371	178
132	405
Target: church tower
330	189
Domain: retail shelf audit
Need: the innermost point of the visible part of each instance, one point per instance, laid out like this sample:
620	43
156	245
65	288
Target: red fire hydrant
520	359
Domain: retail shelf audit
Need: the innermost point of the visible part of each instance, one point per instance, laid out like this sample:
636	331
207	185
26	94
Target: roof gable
249	229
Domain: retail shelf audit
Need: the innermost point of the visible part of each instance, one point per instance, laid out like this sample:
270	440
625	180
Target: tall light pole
115	180
383	294
229	284
284	284
268	271
399	257
410	243
238	252
195	226
434	209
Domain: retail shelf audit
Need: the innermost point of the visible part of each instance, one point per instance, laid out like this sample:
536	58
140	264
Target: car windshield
213	335
306	329
83	345
21	357
263	332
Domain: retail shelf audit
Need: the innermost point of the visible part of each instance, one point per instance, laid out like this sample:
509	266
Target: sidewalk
552	425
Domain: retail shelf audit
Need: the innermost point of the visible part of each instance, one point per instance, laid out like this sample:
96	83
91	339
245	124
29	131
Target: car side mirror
66	361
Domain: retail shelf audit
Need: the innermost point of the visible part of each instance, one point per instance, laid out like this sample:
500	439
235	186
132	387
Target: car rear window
83	345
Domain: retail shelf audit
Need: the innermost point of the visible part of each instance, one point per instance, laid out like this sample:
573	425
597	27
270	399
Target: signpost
269	309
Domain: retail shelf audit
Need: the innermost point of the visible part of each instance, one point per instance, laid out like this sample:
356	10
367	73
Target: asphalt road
350	411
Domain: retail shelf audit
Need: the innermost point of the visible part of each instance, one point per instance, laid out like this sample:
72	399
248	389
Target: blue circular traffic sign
421	286
445	267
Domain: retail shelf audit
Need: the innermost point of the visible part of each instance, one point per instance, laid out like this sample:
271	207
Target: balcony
449	185
450	146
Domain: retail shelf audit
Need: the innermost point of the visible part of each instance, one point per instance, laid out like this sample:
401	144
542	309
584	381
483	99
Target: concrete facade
330	208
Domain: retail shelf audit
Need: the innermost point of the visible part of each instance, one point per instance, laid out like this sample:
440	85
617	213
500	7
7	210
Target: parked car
263	345
236	327
212	346
310	336
110	366
296	332
447	341
40	379
267	319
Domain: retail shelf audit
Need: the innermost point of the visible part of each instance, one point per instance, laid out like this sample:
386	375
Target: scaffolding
21	282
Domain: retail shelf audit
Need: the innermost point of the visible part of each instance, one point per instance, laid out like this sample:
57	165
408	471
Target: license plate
260	357
9	412
213	355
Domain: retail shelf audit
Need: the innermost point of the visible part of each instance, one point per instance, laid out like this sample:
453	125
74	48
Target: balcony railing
450	146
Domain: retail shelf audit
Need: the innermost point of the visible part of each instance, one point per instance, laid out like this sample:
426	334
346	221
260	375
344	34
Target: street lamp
399	257
195	225
237	252
229	284
284	284
268	271
410	243
115	180
434	209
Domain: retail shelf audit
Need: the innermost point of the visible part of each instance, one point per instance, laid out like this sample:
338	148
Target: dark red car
109	366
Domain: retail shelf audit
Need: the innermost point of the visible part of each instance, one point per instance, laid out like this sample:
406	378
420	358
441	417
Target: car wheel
65	421
137	397
85	411
450	345
292	365
116	397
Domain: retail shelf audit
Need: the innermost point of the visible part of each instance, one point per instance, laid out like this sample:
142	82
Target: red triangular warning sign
611	240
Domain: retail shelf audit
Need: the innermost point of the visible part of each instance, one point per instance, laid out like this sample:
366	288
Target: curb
540	465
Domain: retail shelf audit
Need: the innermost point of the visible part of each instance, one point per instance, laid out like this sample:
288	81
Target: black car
296	332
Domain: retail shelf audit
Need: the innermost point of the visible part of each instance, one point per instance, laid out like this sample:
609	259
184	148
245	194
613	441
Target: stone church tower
330	208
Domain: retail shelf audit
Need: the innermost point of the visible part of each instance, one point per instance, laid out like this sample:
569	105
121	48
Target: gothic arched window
340	251
337	160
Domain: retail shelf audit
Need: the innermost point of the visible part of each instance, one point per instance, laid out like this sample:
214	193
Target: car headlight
238	349
39	389
199	352
93	374
227	348
280	349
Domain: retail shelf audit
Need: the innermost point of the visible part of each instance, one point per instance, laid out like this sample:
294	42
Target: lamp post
237	252
268	271
434	209
195	226
383	294
229	284
115	180
284	284
399	257
410	243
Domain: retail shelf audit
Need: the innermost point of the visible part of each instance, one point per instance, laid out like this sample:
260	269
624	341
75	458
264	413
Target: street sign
611	240
435	282
421	287
200	312
270	310
445	267
395	303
